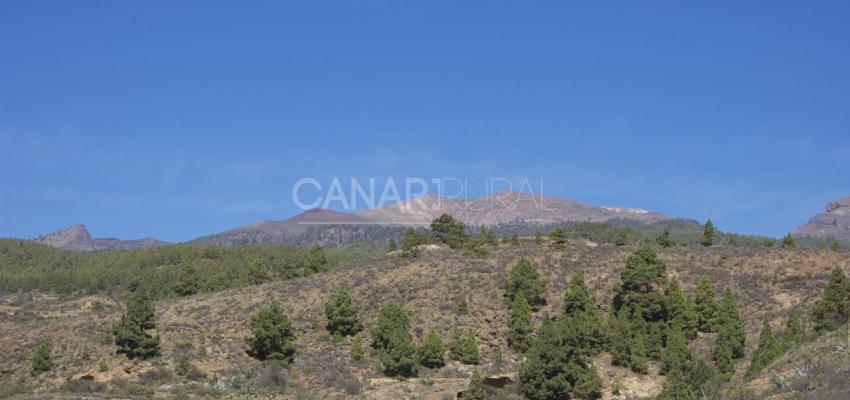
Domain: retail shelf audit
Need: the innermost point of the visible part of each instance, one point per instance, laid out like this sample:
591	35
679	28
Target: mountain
503	208
78	238
834	224
280	231
327	226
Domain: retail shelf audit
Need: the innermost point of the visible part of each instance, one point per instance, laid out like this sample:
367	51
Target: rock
834	224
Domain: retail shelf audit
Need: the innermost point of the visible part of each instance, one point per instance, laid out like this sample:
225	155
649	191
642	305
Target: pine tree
788	242
619	337
705	305
730	325
767	351
475	391
316	260
681	310
676	355
446	229
410	242
622	238
581	313
835	247
525	278
554	370
514	240
399	356
640	279
188	280
341	313
708	234
685	380
722	354
41	360
538	238
431	351
678	387
464	348
558	237
391	317
664	239
638	361
257	273
391	246
793	335
273	337
833	309
519	324
130	331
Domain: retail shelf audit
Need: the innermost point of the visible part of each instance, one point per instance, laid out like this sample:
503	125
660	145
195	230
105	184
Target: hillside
767	284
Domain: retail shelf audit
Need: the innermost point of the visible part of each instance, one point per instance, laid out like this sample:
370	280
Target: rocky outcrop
78	238
834	224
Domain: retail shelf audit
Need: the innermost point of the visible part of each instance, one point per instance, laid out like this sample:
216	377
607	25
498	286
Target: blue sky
177	119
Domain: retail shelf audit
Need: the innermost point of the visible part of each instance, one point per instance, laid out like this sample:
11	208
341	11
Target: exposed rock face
503	207
834	224
78	238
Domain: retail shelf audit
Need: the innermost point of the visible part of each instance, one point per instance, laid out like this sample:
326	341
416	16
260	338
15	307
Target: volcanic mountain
270	231
834	224
503	208
78	238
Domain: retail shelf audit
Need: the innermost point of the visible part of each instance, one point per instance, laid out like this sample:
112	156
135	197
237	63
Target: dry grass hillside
210	328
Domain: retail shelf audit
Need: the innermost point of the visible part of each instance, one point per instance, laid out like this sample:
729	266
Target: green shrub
41	360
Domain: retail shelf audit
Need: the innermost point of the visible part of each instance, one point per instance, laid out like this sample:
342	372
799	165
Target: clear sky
181	118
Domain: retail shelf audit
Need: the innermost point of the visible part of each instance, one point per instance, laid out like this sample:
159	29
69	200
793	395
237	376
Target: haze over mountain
77	237
500	208
833	224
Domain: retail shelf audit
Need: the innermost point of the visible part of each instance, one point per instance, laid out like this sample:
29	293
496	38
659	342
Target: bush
41	359
273	337
357	351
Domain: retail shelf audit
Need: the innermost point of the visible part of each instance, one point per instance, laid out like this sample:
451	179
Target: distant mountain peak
77	237
834	224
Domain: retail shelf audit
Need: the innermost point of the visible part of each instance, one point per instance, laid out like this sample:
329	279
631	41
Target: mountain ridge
77	237
832	224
